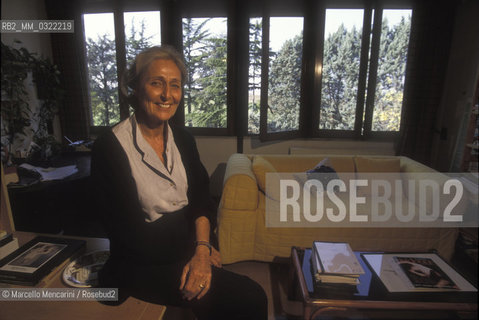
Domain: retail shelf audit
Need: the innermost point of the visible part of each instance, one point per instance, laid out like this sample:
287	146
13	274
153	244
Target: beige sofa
243	234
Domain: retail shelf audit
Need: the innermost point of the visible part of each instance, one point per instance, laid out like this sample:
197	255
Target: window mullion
318	68
373	71
363	71
120	46
263	117
310	31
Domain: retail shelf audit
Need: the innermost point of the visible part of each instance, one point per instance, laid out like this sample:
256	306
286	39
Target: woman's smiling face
160	91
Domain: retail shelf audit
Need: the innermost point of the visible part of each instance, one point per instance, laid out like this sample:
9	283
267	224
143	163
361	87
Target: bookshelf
471	148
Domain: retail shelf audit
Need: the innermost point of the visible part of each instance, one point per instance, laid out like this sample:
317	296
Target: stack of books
334	264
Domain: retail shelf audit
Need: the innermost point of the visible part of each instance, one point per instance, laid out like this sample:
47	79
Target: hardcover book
335	262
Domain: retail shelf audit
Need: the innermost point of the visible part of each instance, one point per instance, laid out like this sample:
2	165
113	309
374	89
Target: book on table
335	263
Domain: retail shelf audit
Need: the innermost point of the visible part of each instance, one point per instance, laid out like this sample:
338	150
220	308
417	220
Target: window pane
341	57
254	84
102	74
142	30
204	44
284	92
395	32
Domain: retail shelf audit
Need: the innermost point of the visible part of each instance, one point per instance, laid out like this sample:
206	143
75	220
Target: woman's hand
196	276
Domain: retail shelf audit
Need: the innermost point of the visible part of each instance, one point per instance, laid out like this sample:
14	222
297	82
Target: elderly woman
154	200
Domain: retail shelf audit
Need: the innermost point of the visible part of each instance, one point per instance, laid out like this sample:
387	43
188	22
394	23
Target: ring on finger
202	285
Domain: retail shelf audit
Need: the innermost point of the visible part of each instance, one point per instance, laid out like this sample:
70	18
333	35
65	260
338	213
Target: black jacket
131	237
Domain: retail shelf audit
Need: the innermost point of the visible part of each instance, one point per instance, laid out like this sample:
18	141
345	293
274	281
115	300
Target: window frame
264	135
367	79
238	14
118	11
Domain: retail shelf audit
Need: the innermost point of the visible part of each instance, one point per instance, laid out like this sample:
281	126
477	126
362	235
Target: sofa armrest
415	171
240	188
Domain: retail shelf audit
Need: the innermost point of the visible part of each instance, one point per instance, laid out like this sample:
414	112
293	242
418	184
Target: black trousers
231	296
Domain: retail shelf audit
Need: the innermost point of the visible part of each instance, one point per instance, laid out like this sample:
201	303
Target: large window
341	58
281	96
285	65
374	106
396	26
102	69
205	50
141	30
335	72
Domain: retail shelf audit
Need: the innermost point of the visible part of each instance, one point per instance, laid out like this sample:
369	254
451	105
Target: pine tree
391	73
205	92
195	53
340	79
101	60
211	102
285	86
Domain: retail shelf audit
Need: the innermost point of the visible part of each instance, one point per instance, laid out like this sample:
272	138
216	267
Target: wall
461	79
27	9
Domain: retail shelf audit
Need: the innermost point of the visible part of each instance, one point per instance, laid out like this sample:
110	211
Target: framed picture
416	272
37	258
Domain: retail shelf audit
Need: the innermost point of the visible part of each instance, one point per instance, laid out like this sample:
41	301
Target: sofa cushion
377	164
261	167
376	167
302	163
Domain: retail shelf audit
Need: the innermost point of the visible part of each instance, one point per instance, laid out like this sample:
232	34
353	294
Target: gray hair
132	76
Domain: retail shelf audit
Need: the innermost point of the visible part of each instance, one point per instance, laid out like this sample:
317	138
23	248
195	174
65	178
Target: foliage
50	91
341	72
195	53
136	41
102	69
391	72
340	79
285	86
15	113
206	60
17	116
101	60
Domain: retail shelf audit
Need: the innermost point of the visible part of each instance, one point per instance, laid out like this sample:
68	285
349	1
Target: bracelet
203	243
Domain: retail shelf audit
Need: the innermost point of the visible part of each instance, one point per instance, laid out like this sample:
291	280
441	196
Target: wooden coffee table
372	296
